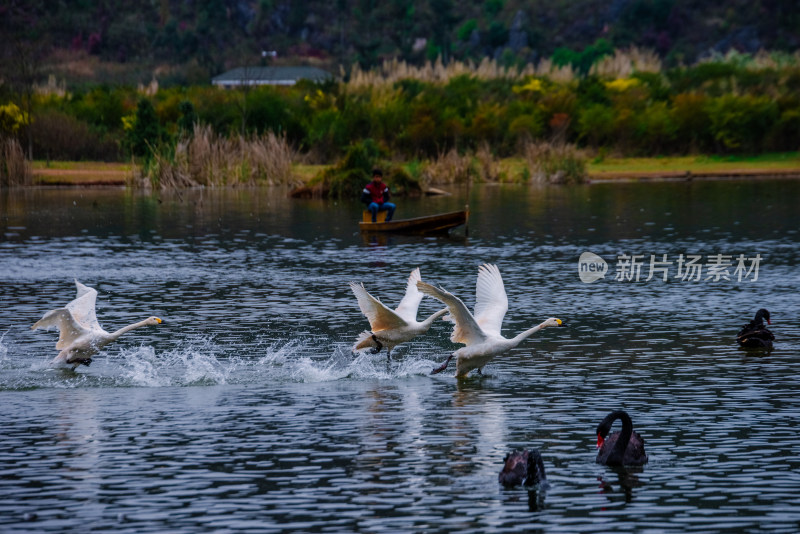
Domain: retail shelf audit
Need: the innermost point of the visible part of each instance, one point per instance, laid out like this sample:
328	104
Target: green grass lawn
696	164
79	172
78	166
87	172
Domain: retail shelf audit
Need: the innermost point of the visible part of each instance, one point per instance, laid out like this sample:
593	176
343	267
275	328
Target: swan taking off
81	336
481	332
390	328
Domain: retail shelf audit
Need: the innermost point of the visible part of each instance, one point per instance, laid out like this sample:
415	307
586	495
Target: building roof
270	76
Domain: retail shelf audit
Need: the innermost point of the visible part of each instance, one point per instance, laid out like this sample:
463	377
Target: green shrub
692	123
346	183
146	133
347	178
59	136
466	29
787	130
526	128
188	119
655	128
582	61
326	134
101	107
596	125
402	183
740	123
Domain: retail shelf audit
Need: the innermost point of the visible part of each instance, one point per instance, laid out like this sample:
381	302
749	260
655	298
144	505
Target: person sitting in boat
376	196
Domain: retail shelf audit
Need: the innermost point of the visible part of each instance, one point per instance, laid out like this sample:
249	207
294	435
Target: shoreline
688	176
98	174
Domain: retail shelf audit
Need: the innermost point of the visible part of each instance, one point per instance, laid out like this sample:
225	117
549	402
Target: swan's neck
114	335
516	340
429	321
618	452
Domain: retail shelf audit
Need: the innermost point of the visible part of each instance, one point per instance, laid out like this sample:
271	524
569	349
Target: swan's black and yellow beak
561	323
159	320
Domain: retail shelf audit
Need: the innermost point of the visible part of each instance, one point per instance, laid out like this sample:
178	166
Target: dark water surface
245	411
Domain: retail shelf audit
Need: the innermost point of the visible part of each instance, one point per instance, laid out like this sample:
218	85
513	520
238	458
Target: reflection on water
246	410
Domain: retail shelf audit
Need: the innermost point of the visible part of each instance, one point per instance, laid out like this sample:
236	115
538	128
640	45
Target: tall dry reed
449	168
394	70
15	170
551	163
52	88
209	160
487	165
626	62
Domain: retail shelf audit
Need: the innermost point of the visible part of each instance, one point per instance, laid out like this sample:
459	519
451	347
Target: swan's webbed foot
442	367
80	361
377	349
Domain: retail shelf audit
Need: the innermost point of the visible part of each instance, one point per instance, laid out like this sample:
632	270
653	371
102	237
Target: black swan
620	448
754	334
522	467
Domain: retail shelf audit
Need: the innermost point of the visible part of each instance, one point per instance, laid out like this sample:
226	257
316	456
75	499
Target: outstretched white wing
379	316
83	307
491	302
466	330
407	309
69	328
82	289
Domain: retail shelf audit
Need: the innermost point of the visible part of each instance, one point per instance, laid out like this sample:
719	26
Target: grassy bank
80	173
87	173
700	166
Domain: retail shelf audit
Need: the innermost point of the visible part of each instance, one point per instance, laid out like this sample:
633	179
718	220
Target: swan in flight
480	332
390	328
81	336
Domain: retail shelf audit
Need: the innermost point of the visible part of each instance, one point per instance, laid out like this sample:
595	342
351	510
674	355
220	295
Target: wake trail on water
278	361
204	362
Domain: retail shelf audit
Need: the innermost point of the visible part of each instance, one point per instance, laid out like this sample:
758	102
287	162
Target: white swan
481	332
81	336
390	328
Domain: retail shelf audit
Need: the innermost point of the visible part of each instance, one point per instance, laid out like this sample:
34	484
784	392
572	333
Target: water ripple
245	409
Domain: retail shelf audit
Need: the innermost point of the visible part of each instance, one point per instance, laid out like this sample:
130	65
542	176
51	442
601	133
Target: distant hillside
203	37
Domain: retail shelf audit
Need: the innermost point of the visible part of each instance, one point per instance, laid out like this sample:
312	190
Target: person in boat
376	196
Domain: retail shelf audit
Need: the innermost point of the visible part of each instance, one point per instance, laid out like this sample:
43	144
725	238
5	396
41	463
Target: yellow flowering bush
11	118
533	85
621	85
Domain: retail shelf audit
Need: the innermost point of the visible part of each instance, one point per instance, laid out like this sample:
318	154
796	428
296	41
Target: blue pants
374	208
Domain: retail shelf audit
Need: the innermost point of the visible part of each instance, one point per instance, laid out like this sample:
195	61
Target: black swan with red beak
523	467
754	334
620	448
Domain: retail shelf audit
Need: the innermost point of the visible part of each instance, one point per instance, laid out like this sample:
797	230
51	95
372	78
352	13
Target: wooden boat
430	224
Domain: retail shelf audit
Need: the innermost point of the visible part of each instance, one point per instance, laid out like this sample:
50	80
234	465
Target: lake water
245	410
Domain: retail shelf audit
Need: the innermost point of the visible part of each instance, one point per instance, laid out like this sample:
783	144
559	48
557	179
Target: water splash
3	349
202	361
196	362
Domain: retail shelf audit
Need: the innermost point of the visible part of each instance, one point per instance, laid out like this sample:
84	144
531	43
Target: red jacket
378	193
